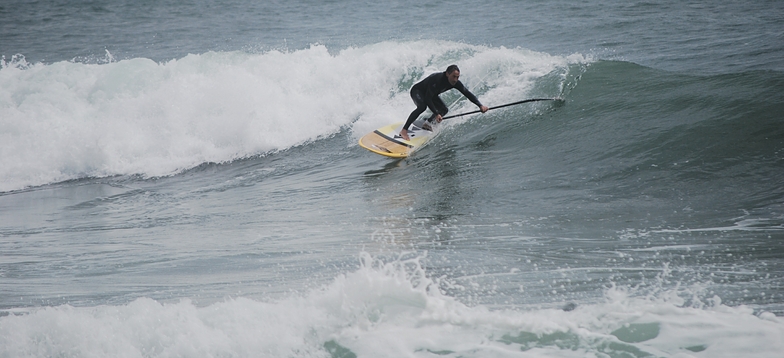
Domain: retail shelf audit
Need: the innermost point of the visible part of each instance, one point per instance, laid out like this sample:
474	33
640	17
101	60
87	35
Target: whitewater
392	310
141	117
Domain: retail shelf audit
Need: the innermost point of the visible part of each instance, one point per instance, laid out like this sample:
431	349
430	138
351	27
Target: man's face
453	77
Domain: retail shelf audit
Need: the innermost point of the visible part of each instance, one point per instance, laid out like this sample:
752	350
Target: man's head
452	74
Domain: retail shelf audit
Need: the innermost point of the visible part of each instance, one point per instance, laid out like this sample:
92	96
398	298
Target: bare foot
404	134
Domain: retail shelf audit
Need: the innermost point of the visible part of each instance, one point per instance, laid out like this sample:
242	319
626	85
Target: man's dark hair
452	68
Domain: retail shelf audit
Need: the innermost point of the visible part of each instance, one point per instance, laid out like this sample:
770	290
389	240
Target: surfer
425	95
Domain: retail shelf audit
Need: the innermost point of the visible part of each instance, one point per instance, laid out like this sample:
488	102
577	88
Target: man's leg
421	106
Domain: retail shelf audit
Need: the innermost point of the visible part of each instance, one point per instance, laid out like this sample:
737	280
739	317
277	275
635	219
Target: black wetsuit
425	95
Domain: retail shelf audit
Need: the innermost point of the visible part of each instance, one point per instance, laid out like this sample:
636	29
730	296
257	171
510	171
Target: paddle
505	105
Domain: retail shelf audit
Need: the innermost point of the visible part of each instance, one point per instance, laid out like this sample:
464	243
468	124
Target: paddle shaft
504	105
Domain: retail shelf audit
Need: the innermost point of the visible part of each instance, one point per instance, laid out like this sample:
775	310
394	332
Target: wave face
630	134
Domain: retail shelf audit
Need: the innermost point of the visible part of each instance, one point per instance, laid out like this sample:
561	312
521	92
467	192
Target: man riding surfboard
425	95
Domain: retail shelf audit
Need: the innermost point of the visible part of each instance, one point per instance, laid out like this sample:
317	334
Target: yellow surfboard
387	141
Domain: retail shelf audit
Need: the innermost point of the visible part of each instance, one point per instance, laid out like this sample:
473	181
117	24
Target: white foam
70	120
392	309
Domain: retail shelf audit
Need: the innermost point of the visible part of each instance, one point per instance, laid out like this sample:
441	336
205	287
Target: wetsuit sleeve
460	87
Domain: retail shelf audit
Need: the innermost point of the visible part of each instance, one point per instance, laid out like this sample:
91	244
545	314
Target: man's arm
471	97
431	105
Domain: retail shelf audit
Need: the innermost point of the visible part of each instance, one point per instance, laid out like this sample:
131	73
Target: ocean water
182	179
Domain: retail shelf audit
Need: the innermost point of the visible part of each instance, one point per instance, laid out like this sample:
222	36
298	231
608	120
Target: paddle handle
505	105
